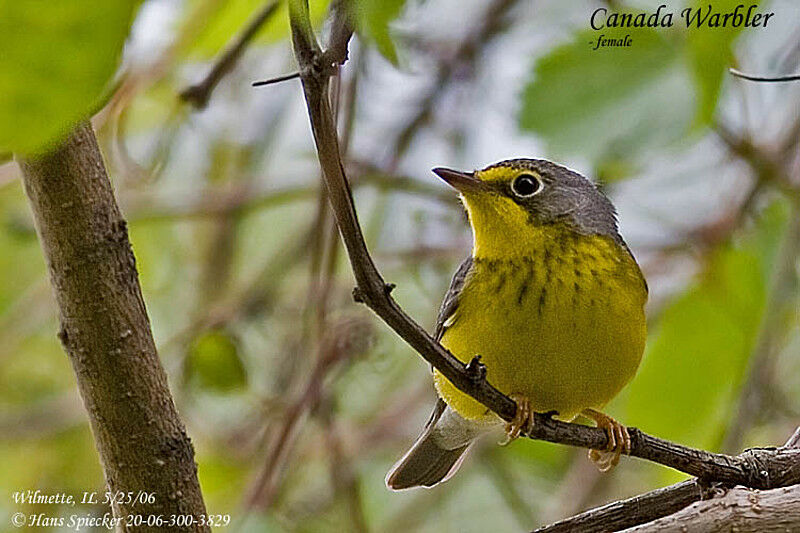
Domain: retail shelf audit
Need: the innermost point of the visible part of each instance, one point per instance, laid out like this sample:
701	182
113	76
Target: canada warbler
552	300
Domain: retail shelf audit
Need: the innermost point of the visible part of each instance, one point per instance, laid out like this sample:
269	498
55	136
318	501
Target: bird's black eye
525	185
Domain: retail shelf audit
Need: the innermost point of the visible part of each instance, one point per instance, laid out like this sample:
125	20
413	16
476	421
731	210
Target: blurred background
298	400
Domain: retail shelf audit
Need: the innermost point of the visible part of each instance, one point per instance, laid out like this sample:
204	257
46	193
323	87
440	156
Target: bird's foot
619	441
523	419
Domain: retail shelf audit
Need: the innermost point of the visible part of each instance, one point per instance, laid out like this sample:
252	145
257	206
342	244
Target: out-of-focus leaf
222	478
213	363
772	226
697	356
56	60
66	461
613	99
710	54
613	168
224	20
150	109
372	21
17	247
36	368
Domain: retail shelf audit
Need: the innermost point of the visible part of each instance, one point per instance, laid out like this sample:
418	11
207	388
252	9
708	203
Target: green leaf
613	100
213	363
56	62
710	54
372	22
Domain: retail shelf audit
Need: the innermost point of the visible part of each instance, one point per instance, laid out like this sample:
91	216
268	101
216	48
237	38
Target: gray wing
450	303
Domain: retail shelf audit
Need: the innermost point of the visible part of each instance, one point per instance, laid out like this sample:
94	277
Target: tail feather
425	465
436	455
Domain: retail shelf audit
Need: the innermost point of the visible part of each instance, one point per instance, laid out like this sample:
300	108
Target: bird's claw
619	441
523	419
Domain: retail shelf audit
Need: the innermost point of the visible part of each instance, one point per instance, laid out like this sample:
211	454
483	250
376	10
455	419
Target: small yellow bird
551	299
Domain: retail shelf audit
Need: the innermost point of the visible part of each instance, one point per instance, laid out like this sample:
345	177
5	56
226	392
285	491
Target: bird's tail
438	452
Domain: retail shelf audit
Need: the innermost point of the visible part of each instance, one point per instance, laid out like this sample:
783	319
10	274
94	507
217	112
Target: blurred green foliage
57	61
627	99
710	56
630	99
213	363
372	20
698	350
233	288
224	20
16	246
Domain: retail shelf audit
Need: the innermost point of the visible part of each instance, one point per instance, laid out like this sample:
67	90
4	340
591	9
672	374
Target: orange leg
523	419
619	441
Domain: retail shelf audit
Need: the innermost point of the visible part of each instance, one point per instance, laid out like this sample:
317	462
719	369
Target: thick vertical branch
105	331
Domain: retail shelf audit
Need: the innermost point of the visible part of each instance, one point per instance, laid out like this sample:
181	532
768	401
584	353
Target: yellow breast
562	324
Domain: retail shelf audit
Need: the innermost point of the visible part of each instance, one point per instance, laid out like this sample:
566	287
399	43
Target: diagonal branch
763	468
199	94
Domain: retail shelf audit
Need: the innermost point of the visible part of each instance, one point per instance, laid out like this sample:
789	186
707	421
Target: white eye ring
526	185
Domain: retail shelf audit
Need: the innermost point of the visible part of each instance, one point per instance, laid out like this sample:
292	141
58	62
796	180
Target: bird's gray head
510	195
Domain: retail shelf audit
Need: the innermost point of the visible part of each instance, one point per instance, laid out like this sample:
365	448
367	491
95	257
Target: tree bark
741	509
142	443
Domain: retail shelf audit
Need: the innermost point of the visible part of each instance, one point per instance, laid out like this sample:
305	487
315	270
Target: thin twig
765	468
324	249
199	94
771	79
277	79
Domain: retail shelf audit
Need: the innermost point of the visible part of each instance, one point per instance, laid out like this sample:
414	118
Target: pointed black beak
460	181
